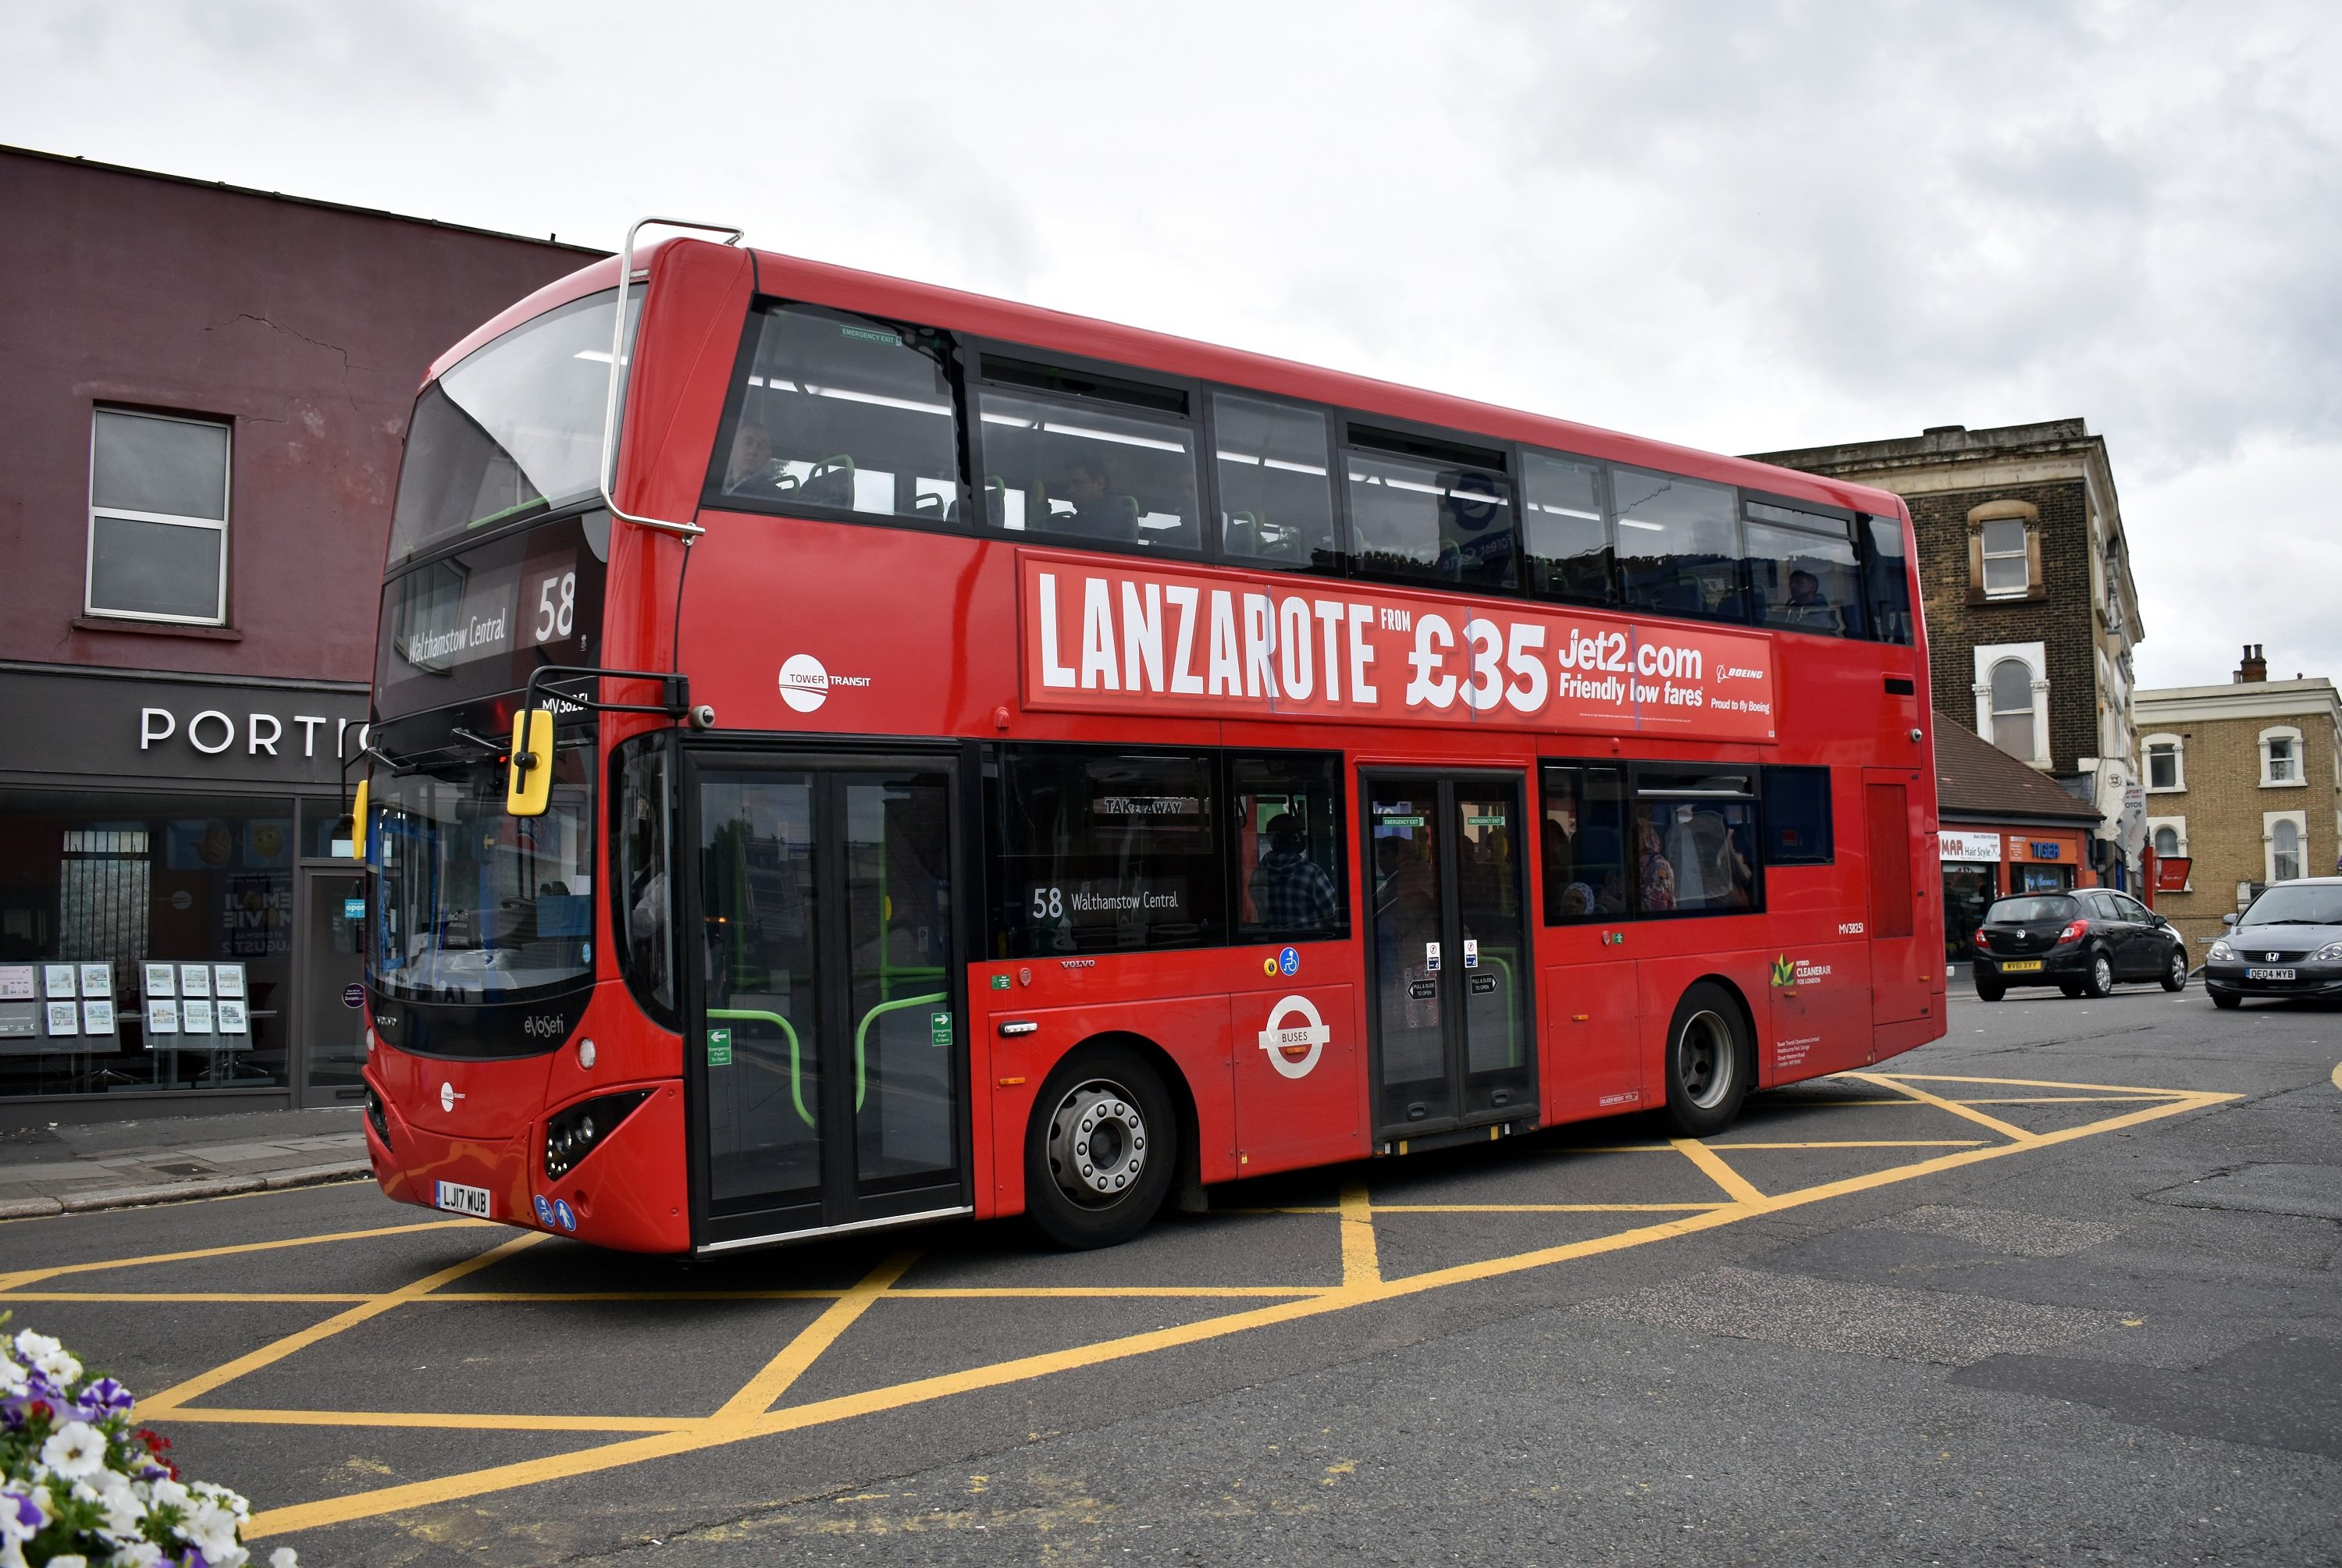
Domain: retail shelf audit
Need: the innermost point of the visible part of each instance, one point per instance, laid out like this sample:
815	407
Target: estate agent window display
163	923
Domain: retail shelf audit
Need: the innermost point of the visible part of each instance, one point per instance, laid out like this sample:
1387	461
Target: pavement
2059	1288
79	1169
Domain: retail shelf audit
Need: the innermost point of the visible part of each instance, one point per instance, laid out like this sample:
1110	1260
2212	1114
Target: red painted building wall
308	326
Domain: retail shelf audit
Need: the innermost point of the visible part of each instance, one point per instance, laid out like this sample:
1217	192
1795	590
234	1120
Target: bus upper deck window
1089	458
1427	511
1277	495
1678	548
1564	544
841	413
1888	568
1802	572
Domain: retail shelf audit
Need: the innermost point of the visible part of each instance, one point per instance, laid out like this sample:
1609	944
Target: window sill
158	629
1978	596
2285	783
2166	789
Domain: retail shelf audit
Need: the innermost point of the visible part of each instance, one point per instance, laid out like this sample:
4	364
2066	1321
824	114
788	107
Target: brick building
2005	828
2031	610
2244	783
203	393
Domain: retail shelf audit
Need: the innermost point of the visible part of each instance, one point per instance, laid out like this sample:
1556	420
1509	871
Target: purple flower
21	1518
101	1399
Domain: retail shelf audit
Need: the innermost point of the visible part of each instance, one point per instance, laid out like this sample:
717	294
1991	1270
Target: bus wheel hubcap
1705	1058
1098	1142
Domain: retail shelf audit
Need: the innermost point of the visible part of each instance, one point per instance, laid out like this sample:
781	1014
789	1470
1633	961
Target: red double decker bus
974	761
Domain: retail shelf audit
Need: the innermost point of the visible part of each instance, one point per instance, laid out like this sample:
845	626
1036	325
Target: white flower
74	1450
167	1493
70	1560
123	1509
138	1555
12	1376
212	1529
233	1500
12	1552
284	1557
41	1350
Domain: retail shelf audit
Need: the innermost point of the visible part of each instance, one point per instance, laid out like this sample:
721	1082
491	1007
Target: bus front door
1450	961
826	1055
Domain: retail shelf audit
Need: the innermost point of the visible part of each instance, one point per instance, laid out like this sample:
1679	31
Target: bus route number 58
557	607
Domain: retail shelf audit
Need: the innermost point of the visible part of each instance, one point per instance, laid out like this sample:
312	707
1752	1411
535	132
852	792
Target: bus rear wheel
1101	1148
1711	1061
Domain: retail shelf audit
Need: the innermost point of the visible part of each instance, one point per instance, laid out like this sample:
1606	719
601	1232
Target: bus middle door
1896	836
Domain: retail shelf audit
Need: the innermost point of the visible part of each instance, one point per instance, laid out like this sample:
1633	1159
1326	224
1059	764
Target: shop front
1980	864
179	918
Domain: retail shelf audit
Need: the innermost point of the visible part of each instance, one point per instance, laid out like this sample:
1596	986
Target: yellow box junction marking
749	1414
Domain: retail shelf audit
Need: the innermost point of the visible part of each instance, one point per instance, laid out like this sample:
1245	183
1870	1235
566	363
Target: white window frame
2300	822
2178	826
217	525
2300	779
2035	657
2179	784
2022	555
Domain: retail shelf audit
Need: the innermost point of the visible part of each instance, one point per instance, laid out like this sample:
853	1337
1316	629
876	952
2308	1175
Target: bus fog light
576	1132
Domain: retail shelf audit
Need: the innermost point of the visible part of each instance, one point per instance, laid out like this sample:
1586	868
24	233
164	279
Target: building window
2285	835
2167	842
158	490
2012	698
2005	550
2166	763
2281	758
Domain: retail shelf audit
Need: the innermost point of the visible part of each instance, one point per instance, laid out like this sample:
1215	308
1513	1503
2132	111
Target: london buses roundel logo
1296	1036
804	682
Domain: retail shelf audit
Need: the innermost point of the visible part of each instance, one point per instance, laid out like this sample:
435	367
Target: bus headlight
574	1133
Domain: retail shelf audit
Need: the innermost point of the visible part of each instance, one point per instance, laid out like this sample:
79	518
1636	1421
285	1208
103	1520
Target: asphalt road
2057	1289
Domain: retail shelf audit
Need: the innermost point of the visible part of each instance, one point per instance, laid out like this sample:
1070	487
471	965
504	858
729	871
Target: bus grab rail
608	474
796	1073
862	1035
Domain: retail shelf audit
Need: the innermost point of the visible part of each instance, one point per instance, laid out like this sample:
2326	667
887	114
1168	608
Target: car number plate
463	1200
2020	966
2268	975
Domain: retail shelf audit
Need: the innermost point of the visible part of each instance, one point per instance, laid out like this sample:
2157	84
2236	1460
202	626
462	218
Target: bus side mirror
359	822
531	789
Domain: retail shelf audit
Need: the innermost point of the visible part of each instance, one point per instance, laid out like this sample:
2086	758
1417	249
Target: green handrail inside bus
1512	990
862	1034
796	1076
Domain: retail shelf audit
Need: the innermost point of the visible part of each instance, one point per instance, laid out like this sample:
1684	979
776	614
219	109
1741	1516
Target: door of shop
827	1070
331	1043
1450	962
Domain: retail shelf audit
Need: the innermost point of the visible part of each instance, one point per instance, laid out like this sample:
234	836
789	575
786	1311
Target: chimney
2254	667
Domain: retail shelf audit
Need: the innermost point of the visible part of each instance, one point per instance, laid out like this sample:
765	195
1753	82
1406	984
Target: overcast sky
1741	226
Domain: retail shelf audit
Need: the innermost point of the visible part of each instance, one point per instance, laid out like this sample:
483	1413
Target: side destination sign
1101	638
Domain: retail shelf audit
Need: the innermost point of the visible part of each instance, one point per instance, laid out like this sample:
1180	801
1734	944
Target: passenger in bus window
752	461
1658	873
1095	514
1806	606
1291	892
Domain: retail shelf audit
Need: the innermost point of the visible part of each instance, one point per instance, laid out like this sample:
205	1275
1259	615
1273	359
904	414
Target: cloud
1746	226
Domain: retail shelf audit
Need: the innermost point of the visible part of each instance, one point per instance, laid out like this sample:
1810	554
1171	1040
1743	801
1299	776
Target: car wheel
1711	1062
1101	1148
2100	983
1990	990
2225	999
2175	971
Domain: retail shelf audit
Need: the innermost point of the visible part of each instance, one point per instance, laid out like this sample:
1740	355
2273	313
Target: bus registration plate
463	1200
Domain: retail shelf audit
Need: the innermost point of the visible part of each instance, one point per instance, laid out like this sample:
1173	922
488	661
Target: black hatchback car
2286	942
2081	941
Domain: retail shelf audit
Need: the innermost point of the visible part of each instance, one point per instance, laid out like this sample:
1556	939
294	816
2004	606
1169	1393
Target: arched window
2167	842
2285	851
2012	708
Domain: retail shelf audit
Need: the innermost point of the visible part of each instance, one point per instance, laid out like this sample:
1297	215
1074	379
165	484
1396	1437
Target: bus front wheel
1711	1061
1101	1148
